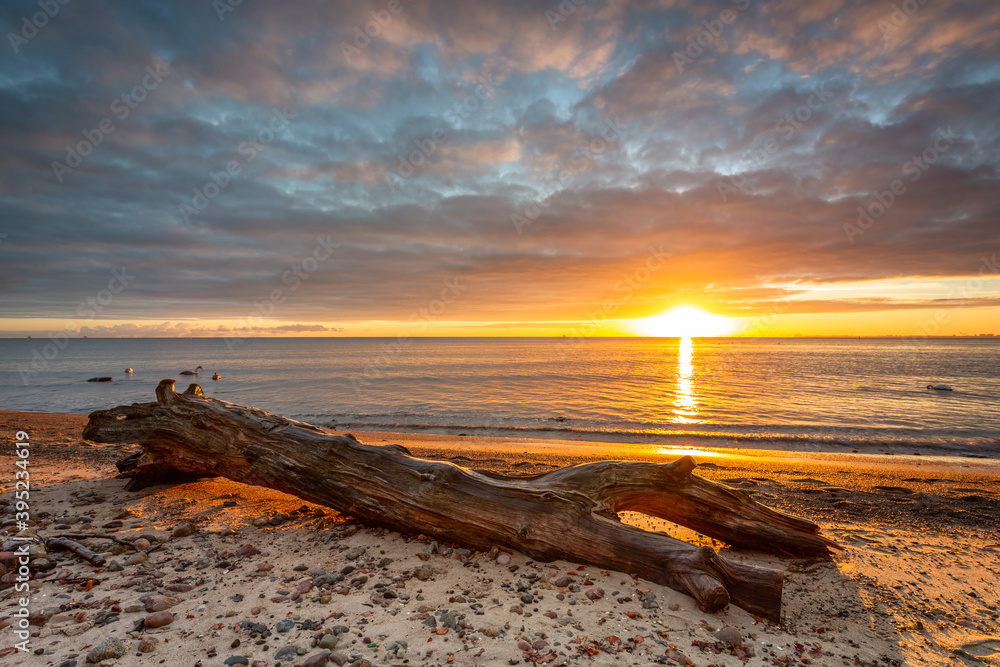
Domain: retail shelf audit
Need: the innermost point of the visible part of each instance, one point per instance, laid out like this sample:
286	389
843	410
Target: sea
801	394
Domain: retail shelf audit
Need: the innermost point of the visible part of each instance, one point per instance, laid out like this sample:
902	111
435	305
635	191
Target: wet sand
261	571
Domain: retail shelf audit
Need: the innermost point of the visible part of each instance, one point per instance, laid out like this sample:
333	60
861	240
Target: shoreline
910	587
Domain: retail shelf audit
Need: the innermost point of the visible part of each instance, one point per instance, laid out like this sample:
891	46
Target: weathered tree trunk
569	513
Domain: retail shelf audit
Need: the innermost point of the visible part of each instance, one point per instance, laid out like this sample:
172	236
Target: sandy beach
231	574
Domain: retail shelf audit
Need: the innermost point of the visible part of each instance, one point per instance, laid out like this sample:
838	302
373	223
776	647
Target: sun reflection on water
685	400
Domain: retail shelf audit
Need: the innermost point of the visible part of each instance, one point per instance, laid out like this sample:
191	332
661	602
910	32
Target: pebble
236	660
148	644
729	635
595	593
284	625
423	573
160	602
328	642
110	648
184	530
503	559
115	566
318	660
135	559
141	543
158	619
288	653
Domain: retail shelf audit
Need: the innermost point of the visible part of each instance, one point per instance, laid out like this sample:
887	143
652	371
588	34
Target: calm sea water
807	394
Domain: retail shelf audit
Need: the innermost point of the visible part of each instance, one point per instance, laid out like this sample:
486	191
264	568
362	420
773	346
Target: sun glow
685	322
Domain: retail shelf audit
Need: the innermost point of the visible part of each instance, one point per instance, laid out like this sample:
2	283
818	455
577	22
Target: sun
685	322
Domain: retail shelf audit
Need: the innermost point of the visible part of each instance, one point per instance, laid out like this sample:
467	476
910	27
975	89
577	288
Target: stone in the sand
158	619
284	625
355	553
318	660
160	603
595	593
490	631
423	573
183	530
135	559
328	642
247	550
503	559
339	659
527	598
148	644
288	653
728	635
115	566
112	647
236	660
141	543
564	581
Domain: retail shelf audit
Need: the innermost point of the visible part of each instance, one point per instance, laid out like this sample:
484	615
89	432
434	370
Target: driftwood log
569	513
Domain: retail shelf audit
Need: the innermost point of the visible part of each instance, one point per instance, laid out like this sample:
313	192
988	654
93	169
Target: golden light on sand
685	322
687	451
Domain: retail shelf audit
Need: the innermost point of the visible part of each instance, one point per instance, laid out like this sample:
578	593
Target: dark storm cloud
220	153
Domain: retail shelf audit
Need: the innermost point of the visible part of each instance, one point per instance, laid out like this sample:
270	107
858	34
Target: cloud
748	165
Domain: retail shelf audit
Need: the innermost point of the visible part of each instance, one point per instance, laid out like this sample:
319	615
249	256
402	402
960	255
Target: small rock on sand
158	619
112	647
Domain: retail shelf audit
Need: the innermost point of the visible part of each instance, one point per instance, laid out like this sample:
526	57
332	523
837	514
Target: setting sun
685	322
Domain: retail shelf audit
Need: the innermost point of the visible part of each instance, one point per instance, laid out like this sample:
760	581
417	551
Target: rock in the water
112	647
103	378
158	619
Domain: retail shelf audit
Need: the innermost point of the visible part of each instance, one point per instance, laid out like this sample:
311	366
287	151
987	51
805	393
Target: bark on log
570	513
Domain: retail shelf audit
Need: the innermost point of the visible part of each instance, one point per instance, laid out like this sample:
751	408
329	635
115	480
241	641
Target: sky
518	168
